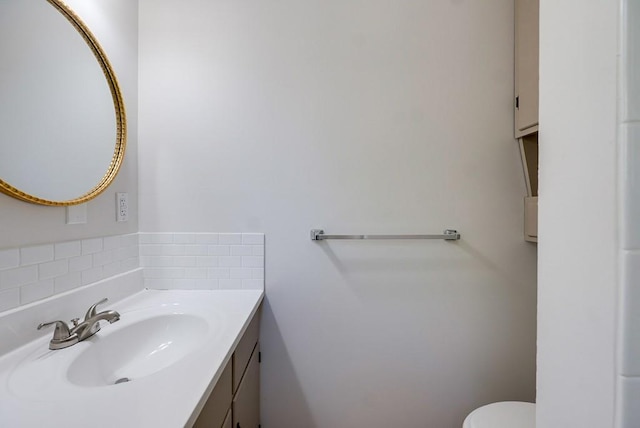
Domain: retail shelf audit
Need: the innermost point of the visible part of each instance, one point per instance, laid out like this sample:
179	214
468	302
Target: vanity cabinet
235	400
526	66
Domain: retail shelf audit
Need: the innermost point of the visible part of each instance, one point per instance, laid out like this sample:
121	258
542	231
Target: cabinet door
246	403
218	403
526	64
244	349
227	421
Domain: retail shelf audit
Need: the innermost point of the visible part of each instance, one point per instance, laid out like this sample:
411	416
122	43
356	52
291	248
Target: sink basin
137	350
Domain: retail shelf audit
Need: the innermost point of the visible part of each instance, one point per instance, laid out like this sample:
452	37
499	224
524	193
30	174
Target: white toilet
505	414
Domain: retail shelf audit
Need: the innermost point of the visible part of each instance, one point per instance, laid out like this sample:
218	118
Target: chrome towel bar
447	235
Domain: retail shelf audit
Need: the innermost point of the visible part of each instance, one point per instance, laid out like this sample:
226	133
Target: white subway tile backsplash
80	263
53	269
252	284
174	250
67	282
9	299
230	238
17	277
185	261
195	284
252	261
150	250
207	261
241	250
90	246
129	240
204	260
158	284
184	238
35	272
92	275
219	250
230	284
9	258
157	261
161	250
66	250
34	255
196	250
111	243
164	273
111	269
103	257
240	273
130	264
195	273
218	273
126	252
36	291
230	261
156	238
171	260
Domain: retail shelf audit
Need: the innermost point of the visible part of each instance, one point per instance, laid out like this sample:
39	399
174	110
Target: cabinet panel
228	421
526	65
244	349
217	406
246	403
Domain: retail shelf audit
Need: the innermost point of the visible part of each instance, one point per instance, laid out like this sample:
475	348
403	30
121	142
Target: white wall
114	23
359	117
578	214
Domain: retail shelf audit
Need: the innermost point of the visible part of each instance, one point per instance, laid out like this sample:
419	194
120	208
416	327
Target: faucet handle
61	331
62	337
92	310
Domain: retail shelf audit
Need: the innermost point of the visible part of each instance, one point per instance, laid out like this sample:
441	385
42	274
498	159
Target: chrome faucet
91	324
64	337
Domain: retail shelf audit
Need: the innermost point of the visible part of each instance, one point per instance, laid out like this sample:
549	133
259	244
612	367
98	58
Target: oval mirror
62	124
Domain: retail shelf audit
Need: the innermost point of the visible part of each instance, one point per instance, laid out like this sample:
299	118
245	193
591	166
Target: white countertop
35	390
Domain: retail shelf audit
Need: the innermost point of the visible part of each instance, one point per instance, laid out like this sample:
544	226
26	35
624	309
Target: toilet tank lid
505	414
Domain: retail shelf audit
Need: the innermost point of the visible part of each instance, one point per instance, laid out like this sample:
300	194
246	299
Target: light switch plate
122	207
77	214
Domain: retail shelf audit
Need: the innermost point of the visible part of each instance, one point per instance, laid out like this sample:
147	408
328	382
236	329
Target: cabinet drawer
246	403
244	349
215	411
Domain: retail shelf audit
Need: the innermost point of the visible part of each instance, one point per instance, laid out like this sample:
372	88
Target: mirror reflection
61	137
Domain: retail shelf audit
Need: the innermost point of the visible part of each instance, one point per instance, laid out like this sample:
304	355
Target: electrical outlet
122	207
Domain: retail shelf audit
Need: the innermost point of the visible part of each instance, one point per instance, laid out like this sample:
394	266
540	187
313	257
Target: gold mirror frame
121	130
